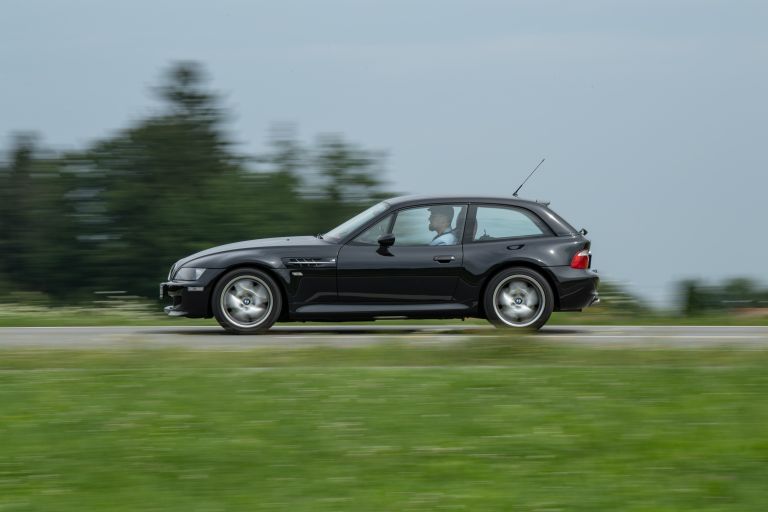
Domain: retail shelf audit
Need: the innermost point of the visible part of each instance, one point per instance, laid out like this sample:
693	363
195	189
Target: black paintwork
339	280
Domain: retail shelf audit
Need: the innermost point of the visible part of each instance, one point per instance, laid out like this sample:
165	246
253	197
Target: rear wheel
246	301
518	298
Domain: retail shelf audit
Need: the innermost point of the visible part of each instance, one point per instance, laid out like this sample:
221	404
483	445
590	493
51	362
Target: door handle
444	259
515	247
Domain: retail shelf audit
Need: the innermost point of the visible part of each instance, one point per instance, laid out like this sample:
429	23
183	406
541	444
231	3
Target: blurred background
137	134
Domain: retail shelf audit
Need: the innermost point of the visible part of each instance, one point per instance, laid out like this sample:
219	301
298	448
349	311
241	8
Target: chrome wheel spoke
232	302
248	291
531	298
236	288
240	314
506	298
511	312
242	287
260	294
525	312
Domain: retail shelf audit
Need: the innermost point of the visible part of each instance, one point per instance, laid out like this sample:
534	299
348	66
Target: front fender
237	258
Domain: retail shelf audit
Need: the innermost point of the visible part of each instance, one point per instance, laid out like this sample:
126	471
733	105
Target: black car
509	260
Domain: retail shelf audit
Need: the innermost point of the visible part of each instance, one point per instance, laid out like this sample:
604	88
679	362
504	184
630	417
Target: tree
117	214
160	181
37	225
692	297
343	180
15	197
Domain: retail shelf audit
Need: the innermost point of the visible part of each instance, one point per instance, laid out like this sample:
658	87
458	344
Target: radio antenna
529	177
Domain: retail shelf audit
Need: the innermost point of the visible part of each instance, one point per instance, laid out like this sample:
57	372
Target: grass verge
483	425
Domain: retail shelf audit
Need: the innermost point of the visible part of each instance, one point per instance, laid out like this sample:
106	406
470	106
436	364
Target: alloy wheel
519	300
246	301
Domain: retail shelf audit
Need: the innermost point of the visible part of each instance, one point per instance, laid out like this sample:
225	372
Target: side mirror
387	240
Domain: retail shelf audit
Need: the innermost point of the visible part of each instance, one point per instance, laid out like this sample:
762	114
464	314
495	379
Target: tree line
117	214
698	297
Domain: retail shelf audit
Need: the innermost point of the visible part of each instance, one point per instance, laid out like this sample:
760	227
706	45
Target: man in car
440	221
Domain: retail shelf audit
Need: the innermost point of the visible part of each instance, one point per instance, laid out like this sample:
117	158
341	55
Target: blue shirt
447	238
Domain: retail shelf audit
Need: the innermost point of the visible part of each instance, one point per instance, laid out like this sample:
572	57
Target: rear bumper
576	289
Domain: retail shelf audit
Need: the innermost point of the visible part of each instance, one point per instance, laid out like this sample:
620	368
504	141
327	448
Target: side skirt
380	311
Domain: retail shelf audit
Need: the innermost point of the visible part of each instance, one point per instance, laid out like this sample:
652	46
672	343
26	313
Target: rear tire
518	298
246	301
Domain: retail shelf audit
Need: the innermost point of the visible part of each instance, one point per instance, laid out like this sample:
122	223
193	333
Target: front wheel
246	301
518	298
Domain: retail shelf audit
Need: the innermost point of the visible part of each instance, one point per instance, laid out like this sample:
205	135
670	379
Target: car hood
261	243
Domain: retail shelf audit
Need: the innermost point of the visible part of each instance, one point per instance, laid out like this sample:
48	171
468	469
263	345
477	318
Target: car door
412	270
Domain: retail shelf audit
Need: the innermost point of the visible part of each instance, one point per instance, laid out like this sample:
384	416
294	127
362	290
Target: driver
440	221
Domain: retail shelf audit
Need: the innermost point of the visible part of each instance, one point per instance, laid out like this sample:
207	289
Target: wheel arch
544	271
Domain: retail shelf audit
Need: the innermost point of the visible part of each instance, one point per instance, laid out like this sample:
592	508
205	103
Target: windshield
356	222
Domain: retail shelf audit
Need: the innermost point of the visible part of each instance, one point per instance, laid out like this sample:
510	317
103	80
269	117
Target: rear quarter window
499	222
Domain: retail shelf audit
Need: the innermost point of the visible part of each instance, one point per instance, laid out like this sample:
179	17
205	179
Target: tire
246	301
518	298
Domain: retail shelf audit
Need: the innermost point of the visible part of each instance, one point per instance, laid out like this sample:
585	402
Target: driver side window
429	225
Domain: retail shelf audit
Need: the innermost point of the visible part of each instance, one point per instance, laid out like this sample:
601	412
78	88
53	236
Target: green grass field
484	425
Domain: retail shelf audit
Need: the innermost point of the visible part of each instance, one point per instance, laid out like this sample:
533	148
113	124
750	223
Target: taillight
580	260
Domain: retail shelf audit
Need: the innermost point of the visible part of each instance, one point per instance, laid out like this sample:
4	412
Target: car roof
418	199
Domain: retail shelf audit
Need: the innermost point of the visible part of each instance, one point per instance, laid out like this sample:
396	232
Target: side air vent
309	262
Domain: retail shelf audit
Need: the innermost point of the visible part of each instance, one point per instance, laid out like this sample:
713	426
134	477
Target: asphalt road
208	338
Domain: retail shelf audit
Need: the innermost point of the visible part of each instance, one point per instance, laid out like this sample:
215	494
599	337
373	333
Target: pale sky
652	114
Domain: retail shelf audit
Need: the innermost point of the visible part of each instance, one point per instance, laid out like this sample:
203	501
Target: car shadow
558	330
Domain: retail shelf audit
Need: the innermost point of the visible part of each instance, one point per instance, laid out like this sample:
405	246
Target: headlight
189	274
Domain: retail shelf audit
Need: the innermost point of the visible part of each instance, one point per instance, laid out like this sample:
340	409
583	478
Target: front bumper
189	298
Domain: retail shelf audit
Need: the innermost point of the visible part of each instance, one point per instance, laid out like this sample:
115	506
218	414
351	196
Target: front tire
246	301
518	298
